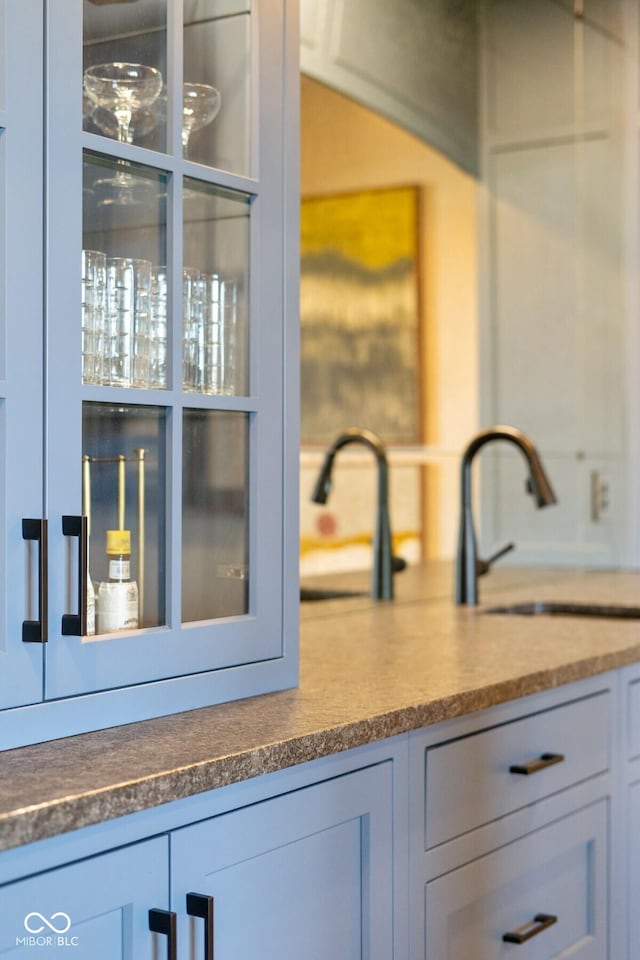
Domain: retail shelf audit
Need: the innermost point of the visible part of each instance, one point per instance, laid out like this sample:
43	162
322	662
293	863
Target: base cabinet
633	906
547	890
630	840
305	874
95	909
511	818
358	856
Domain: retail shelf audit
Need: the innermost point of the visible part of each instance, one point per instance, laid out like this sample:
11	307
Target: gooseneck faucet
468	565
382	573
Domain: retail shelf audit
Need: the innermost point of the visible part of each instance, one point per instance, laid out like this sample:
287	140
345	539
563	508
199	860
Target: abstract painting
360	314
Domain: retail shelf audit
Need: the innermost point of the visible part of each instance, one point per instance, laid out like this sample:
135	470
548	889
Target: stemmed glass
200	106
122	95
123	88
142	121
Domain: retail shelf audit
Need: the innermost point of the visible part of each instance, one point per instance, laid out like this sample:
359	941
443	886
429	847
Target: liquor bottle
117	600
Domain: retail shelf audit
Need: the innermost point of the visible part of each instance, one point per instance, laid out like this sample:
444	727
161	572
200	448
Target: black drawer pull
540	763
200	905
164	922
75	624
530	929
35	631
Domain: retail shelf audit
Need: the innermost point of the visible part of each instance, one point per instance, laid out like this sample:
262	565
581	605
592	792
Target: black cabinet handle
540	763
36	631
199	905
530	929
75	624
164	922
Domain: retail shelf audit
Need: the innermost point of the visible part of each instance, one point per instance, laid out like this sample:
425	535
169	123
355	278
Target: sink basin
559	609
313	594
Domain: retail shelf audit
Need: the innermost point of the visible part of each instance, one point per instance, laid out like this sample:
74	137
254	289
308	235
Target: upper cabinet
558	242
412	61
169	424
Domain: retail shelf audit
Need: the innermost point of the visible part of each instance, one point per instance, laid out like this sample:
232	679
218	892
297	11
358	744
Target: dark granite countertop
368	671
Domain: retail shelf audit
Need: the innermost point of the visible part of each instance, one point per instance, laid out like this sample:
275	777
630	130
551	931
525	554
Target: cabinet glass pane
125	69
124	489
215	290
215	514
216	90
124	277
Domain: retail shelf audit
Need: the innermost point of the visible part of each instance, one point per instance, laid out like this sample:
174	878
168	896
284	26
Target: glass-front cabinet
166	577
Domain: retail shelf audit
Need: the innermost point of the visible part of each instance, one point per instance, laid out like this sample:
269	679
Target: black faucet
382	573
468	565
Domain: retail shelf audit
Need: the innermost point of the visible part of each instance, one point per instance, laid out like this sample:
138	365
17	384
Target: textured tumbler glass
158	330
128	307
94	264
211	370
193	300
229	352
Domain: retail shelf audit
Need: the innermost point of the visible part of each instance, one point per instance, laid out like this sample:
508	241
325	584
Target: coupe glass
122	97
142	122
123	88
200	107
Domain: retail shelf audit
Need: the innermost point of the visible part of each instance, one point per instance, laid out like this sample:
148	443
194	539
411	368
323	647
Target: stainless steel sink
559	609
313	594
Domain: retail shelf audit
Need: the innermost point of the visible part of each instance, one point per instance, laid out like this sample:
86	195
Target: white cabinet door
305	875
95	909
21	350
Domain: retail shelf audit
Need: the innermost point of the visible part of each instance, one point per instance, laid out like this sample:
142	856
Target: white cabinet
148	379
551	884
555	327
308	874
411	61
517	763
96	908
510	821
304	867
629	833
413	848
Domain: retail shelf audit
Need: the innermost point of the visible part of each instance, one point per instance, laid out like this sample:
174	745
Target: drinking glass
212	372
128	306
122	88
158	330
193	299
200	106
122	96
94	264
229	352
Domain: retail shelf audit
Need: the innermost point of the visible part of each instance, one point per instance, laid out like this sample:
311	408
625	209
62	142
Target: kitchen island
381	685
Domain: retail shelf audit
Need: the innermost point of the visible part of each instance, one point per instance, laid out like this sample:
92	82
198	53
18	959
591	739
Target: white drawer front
559	871
469	781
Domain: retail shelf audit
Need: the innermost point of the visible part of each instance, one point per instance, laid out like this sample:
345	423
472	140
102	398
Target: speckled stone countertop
368	671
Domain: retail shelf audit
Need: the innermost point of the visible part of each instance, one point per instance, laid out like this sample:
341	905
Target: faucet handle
483	566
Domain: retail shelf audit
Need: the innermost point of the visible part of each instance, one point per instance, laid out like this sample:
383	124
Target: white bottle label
119	569
117	606
91	608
